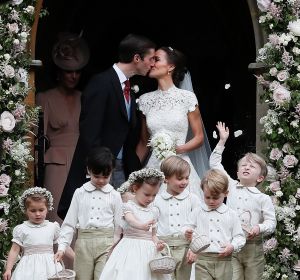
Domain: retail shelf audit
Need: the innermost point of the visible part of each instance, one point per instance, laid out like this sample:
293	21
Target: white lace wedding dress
167	111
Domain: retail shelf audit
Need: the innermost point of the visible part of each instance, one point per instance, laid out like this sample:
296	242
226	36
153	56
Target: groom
108	116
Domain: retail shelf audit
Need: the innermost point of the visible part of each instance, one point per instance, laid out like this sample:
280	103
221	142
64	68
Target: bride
172	110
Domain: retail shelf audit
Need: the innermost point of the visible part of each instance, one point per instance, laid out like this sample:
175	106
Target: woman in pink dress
61	107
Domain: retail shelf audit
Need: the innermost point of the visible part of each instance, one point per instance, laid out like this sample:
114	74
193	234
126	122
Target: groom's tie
127	91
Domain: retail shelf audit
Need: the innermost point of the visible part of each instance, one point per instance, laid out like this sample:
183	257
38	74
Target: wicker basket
164	264
199	243
65	274
245	219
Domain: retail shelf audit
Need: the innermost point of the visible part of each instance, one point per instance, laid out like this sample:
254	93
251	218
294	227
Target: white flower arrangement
17	119
135	88
36	190
163	145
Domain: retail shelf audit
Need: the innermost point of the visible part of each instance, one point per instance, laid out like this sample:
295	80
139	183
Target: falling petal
227	86
215	135
238	133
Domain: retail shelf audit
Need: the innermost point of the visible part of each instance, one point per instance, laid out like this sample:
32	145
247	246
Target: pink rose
283	75
275	154
275	186
290	161
281	95
5	180
3	191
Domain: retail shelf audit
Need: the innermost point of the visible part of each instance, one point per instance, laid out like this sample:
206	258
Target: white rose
294	27
135	88
6	56
281	95
7	121
16	42
263	5
9	71
16	2
30	10
279	193
273	71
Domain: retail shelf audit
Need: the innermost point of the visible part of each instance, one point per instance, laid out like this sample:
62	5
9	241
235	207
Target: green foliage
17	119
281	84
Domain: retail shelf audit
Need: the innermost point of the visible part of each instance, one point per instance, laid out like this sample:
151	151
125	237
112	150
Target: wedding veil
200	156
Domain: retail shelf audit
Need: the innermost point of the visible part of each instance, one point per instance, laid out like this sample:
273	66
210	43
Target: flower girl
139	245
34	239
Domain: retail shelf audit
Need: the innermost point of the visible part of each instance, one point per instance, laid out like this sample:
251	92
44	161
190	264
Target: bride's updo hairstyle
179	60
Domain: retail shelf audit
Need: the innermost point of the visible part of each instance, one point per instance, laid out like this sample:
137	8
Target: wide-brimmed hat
71	52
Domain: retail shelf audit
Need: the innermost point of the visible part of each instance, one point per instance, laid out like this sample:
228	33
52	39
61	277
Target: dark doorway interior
218	40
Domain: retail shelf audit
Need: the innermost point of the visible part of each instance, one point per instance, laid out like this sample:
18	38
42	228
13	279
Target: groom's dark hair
134	44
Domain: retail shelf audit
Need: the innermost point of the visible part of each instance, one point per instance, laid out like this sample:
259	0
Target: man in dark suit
108	117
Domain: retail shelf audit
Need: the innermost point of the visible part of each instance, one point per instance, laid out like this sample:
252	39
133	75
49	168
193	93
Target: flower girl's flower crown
36	190
145	173
124	187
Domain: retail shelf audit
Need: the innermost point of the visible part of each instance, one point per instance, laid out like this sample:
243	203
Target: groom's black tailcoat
103	122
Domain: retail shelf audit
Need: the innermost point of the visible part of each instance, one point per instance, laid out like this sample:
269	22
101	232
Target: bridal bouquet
163	145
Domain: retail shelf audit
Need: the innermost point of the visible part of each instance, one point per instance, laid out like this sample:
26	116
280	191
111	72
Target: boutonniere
135	89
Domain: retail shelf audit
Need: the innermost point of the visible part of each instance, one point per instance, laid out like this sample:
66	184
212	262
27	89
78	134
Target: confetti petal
227	86
215	135
238	133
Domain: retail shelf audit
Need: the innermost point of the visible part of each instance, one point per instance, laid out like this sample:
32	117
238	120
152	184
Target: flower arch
17	119
280	55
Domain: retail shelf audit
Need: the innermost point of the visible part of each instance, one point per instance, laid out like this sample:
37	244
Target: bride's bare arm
142	149
195	122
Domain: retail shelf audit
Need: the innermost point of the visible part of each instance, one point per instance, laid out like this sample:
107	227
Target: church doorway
218	40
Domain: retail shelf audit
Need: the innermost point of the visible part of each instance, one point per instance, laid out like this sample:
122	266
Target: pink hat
71	52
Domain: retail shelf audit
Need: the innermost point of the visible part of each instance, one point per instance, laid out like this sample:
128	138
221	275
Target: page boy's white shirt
174	211
221	225
243	199
91	208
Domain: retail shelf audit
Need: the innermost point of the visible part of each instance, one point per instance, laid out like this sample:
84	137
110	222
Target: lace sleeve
191	101
142	105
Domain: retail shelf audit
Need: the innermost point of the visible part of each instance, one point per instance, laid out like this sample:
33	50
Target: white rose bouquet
163	145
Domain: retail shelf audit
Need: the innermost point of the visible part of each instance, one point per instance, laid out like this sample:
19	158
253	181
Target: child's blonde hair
215	181
258	160
174	165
